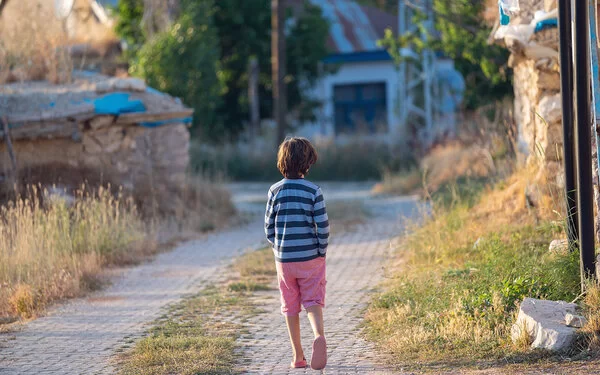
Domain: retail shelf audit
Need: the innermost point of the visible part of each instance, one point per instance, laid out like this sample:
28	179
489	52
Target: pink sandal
299	364
318	360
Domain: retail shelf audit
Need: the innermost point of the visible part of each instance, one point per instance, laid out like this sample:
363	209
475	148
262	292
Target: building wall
354	73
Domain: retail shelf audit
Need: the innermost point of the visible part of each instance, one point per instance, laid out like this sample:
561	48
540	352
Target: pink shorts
301	283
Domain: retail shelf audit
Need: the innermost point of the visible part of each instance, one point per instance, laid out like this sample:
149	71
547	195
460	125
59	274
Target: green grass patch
197	336
454	298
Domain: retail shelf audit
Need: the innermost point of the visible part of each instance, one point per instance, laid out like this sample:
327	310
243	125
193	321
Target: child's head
295	157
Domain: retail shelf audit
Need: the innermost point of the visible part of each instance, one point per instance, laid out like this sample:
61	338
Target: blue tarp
116	104
545	24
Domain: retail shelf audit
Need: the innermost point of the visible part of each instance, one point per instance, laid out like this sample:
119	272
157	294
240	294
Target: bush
184	61
355	161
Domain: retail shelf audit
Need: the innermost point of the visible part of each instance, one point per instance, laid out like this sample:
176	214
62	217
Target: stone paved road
80	337
354	266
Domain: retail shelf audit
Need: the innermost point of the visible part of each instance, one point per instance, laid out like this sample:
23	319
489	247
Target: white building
361	96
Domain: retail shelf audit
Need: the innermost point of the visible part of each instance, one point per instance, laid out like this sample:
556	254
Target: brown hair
296	155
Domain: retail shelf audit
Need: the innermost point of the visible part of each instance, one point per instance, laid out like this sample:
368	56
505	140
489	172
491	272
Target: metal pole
583	140
566	89
402	69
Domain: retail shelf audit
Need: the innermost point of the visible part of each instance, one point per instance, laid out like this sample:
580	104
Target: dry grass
452	299
34	49
591	303
198	335
53	249
443	165
256	271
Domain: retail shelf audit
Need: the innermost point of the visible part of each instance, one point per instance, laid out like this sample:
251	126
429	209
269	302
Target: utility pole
583	143
566	89
254	100
278	62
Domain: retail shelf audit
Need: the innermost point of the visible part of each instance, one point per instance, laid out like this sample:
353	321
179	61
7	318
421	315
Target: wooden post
9	148
254	99
278	62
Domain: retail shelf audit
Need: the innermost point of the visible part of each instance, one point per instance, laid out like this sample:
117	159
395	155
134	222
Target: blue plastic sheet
546	24
116	104
154	124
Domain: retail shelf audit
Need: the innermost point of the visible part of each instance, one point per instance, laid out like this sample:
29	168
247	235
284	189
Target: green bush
355	161
184	61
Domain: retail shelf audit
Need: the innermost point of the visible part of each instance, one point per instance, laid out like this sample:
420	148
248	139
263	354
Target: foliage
184	62
470	265
129	26
243	31
462	36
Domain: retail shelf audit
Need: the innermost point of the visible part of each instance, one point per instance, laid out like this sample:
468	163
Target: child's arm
321	222
270	218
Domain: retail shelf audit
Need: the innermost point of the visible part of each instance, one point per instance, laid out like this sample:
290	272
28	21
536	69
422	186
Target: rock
550	5
544	322
550	109
559	246
574	320
99	122
121	84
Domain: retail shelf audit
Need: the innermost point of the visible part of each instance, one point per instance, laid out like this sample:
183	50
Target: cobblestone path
355	261
81	336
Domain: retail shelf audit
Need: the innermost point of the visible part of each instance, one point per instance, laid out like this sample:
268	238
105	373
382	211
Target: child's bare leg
315	315
293	325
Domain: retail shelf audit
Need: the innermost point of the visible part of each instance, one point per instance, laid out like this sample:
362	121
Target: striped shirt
296	222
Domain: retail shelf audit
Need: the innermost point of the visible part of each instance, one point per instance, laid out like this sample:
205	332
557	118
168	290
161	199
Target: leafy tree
243	31
129	24
462	35
184	62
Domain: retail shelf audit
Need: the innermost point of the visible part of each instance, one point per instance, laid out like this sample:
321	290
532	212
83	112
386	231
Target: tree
184	61
243	32
462	35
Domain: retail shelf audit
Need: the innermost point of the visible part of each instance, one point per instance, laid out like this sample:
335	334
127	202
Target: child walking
297	227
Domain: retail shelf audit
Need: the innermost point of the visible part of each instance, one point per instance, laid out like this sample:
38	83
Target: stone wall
132	156
537	103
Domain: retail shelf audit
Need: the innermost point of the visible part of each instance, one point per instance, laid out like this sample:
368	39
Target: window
360	108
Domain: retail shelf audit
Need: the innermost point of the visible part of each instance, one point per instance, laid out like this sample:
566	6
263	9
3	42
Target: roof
39	109
354	28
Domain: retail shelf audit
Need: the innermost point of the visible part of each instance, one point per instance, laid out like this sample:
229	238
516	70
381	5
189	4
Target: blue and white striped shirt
296	222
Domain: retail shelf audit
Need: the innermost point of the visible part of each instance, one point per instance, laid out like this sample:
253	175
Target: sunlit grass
51	248
197	336
453	298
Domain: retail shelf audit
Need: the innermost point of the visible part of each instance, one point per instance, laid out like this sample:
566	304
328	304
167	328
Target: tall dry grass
33	43
52	247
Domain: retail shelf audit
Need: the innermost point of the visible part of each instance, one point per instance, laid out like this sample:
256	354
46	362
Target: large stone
544	323
559	246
